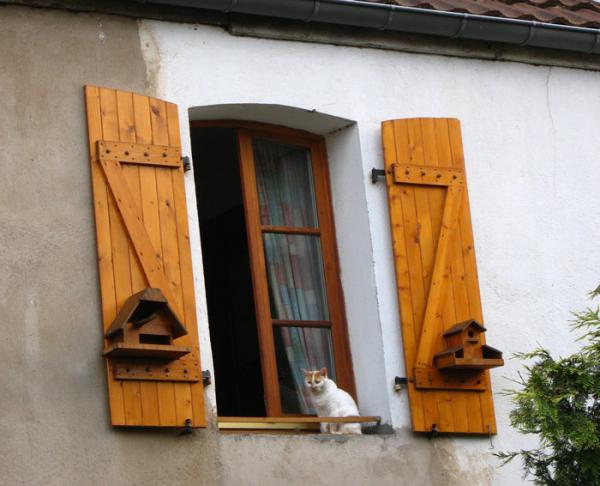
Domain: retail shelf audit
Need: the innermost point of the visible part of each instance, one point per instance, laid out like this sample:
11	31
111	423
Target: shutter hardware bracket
187	165
434	432
376	174
187	428
400	382
206	377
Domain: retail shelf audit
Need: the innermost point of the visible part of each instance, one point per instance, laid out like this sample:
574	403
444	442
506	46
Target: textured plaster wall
53	408
531	148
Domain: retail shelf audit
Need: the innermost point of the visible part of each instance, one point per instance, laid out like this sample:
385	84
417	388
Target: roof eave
396	18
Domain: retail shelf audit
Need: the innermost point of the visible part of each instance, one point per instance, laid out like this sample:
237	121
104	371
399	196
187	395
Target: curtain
294	266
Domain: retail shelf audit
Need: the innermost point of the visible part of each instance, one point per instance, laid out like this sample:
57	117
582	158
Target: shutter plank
417	289
409	330
425	214
165	391
104	245
488	424
160	136
421	214
441	156
166	205
120	249
131	172
149	210
194	403
435	207
135	392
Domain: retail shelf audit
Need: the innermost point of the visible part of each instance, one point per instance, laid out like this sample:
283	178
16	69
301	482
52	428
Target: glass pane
299	348
295	273
285	184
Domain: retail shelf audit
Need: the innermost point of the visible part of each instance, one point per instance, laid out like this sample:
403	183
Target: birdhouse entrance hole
154	339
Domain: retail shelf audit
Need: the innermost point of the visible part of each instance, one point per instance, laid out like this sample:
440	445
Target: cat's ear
304	371
324	371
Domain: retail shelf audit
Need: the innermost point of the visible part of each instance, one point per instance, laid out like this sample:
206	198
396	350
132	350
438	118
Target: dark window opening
228	283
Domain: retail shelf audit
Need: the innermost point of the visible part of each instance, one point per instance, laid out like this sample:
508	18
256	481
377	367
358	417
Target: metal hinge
187	164
376	174
206	377
400	382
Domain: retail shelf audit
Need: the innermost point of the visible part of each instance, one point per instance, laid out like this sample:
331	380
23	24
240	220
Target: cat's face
315	379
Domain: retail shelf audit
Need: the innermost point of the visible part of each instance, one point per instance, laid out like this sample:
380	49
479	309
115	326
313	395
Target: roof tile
576	13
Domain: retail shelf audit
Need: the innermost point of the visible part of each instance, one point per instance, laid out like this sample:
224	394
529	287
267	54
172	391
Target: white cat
331	401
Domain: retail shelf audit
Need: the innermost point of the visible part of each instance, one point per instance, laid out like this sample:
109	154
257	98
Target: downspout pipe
396	18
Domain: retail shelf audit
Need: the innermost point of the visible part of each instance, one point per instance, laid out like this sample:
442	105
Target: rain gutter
385	17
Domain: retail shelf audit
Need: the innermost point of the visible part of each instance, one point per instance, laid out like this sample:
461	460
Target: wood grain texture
440	275
141	154
425	218
143	240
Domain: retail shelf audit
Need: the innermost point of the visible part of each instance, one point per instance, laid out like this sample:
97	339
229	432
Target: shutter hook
187	428
376	174
489	427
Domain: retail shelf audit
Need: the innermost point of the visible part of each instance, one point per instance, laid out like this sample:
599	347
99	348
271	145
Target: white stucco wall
531	146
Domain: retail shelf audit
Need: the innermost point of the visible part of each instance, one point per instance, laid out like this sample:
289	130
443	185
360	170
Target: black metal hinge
206	377
376	174
187	164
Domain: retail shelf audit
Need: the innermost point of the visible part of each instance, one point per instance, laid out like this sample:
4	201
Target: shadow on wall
298	118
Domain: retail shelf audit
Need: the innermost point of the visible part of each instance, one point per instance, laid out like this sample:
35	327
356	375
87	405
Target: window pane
299	348
285	184
295	273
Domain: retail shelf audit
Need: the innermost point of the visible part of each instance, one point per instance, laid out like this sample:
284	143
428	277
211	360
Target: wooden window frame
246	131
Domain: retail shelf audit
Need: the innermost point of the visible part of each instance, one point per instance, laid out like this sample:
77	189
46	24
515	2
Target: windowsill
286	424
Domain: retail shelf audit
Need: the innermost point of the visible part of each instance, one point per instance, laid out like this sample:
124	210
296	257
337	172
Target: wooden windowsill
294	424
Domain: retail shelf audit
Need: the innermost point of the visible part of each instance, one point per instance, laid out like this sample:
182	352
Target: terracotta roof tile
576	13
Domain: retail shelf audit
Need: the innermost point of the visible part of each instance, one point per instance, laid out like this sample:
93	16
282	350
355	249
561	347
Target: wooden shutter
435	270
142	238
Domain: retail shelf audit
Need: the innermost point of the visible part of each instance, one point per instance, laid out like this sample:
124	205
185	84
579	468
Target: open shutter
435	271
142	238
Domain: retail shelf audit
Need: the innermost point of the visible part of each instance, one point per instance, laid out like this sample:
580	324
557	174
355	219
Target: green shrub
559	401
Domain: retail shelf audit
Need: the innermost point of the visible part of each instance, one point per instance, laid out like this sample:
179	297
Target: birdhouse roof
139	308
490	348
461	326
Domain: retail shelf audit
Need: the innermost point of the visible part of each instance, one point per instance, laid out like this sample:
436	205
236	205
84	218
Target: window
274	296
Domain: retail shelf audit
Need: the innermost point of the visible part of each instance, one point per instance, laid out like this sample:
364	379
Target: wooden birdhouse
145	327
465	349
